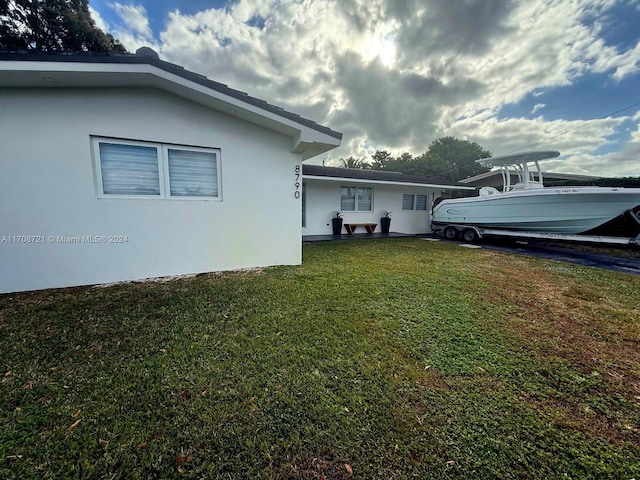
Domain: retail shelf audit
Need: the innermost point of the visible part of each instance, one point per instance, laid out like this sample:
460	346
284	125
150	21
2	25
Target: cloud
537	107
396	74
98	20
135	18
133	29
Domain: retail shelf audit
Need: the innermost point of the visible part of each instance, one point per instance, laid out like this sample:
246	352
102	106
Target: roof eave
307	138
385	182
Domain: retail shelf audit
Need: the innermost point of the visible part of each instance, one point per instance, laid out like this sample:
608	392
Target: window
414	202
129	168
304	204
407	201
348	199
192	174
365	199
356	199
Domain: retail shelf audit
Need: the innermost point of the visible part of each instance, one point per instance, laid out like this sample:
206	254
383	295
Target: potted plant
337	222
385	221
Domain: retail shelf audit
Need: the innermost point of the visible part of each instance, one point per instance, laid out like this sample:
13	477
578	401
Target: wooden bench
351	227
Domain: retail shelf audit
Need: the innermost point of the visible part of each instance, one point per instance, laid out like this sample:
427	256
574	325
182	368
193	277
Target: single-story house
362	196
122	166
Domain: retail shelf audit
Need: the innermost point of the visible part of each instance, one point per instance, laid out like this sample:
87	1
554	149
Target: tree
425	165
352	162
52	25
462	154
380	160
447	158
431	165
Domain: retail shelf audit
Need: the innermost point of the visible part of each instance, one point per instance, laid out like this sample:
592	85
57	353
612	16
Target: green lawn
389	359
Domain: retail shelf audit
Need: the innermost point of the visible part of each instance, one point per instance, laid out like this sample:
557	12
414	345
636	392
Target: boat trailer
474	233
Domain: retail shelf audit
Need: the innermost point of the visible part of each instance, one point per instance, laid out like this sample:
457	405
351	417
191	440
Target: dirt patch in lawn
589	328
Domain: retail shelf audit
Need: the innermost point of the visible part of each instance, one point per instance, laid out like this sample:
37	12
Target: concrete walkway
360	236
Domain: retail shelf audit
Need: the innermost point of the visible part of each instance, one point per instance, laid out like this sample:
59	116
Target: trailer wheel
450	233
469	235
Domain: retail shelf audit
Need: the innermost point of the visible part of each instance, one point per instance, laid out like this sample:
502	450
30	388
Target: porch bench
351	227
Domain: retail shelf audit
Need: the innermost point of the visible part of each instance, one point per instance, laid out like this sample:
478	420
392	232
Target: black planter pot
385	223
337	225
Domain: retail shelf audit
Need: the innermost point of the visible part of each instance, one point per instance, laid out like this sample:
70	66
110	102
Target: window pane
421	202
348	199
365	197
192	174
129	169
304	204
407	201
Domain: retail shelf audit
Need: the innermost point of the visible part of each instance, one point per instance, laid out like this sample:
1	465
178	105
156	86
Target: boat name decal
457	211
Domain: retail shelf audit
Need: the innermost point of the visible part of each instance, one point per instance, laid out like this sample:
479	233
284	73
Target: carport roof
378	176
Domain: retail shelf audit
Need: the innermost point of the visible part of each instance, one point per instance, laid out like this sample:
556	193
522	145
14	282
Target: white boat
529	206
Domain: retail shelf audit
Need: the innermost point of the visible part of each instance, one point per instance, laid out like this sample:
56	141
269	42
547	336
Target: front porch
362	236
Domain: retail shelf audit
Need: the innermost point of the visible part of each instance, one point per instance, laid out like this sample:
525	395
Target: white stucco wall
47	189
323	197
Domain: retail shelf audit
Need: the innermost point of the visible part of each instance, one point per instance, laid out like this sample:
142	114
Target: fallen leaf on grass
75	415
183	459
74	424
349	469
141	445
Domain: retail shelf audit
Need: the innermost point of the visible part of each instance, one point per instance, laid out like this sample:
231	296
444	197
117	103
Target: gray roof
144	58
376	175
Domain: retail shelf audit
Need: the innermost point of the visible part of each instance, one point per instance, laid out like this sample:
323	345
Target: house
363	195
122	166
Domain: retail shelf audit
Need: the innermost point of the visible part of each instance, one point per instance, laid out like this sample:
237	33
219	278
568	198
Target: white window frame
356	199
163	168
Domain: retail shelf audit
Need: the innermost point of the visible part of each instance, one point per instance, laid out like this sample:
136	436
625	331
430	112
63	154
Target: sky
510	75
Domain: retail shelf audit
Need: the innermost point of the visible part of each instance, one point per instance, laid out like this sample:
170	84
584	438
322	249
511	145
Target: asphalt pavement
619	260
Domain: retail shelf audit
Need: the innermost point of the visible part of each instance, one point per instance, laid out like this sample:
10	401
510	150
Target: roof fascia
384	182
305	140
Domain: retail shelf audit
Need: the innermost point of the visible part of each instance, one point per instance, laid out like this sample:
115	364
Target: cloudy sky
396	74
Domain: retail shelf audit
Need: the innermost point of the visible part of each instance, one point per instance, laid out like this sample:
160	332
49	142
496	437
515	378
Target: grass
390	359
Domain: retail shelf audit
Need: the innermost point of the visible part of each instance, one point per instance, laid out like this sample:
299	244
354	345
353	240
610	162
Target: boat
528	205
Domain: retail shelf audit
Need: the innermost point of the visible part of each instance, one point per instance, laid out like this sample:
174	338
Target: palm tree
354	163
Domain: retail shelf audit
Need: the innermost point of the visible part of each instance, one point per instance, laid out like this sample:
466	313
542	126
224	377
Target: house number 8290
296	192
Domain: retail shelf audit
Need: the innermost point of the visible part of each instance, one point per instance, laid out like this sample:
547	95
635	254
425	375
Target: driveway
619	259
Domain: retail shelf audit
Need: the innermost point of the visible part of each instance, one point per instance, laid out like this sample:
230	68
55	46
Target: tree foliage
633	182
52	25
352	162
462	154
447	158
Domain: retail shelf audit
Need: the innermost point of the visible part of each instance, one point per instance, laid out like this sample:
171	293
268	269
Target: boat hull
561	210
